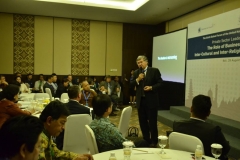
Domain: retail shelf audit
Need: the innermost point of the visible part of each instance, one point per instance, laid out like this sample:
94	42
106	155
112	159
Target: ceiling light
116	4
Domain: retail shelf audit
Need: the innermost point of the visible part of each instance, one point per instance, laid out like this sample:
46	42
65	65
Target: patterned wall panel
23	44
80	47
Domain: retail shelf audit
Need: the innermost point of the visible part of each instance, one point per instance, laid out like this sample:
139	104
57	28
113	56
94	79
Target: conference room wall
97	46
208	11
43	53
6	43
60	45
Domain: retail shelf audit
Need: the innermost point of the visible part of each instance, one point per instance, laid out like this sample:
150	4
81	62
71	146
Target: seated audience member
70	79
8	107
102	90
74	107
38	87
23	87
91	84
54	82
3	82
20	138
107	135
96	84
62	88
18	74
111	87
49	85
87	94
54	117
196	126
119	91
29	81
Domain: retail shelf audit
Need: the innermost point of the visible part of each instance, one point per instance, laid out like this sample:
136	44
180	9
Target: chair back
124	120
91	140
184	142
64	96
75	139
48	91
41	95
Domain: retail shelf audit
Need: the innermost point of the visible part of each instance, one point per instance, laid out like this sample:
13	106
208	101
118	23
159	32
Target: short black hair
65	80
73	91
17	73
29	74
2	76
108	76
49	77
17	131
100	104
18	77
90	81
10	91
54	74
55	109
201	106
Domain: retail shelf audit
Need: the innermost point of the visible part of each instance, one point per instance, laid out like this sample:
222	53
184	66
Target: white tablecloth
153	154
27	96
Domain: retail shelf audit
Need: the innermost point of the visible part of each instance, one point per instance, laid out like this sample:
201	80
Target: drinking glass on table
216	150
33	105
162	140
127	149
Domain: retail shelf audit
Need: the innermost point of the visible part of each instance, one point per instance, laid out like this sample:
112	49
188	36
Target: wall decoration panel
80	47
23	43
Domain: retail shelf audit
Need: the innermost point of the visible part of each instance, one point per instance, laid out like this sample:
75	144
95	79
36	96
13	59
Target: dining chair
75	139
124	120
48	91
184	142
64	96
41	95
91	140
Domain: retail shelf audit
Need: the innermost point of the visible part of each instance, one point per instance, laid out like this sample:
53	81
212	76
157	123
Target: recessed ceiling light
116	4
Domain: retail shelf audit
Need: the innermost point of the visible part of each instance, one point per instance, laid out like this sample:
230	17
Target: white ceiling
152	12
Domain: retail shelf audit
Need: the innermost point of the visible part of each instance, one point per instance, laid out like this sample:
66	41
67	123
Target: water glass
163	140
33	105
127	149
216	150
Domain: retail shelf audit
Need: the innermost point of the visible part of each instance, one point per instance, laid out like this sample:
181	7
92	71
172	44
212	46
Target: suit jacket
60	90
74	108
206	132
152	78
113	86
47	85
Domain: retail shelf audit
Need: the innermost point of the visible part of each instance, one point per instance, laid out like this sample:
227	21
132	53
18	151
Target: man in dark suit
147	81
196	126
74	107
48	84
111	90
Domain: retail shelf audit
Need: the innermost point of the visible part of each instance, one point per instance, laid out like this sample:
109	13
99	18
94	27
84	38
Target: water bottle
198	153
112	156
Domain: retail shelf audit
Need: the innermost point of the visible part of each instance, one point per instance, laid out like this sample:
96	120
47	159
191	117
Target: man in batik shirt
54	117
107	135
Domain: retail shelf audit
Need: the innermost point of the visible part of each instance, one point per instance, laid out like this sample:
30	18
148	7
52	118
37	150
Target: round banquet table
152	154
27	96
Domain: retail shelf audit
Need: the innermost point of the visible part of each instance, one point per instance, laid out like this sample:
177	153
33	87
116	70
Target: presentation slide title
218	45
